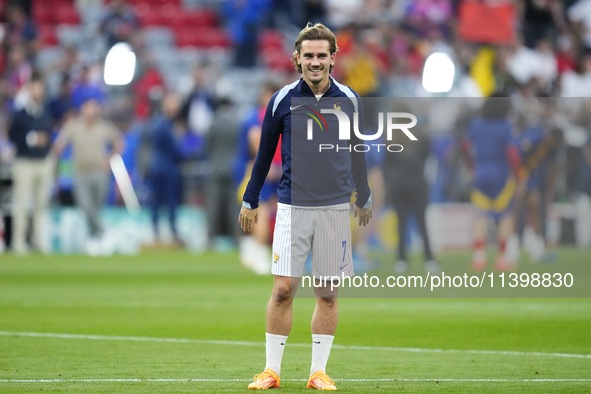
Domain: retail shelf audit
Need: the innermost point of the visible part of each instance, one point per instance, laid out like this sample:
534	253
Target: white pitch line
288	380
246	343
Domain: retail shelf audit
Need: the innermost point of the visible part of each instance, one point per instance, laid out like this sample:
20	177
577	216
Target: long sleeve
270	132
359	166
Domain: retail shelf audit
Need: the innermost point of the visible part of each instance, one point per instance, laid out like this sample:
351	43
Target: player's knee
281	292
328	300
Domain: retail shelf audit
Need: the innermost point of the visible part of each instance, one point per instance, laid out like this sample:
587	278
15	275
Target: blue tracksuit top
311	178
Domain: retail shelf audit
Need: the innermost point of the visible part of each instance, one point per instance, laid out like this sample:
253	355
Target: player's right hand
247	218
364	215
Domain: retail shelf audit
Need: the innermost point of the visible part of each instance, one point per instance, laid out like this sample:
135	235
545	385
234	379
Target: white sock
321	345
275	346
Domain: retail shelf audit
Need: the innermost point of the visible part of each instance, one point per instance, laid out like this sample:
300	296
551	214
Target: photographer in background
32	173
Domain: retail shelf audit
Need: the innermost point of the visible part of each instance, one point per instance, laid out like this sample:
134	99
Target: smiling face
315	59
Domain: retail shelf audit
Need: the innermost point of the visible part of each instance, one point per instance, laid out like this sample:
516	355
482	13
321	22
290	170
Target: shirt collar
305	88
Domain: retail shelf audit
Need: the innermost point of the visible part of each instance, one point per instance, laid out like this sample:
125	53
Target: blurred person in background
583	198
197	108
89	85
148	85
358	67
255	251
61	109
538	148
30	132
119	22
577	83
18	74
93	140
408	191
495	162
61	106
244	20
20	29
221	203
541	19
164	172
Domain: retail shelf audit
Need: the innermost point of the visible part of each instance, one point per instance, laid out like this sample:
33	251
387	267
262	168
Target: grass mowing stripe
288	380
246	343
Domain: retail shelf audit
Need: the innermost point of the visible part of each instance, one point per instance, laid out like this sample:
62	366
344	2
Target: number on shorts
344	249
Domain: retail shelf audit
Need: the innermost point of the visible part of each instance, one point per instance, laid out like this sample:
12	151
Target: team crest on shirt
275	257
337	106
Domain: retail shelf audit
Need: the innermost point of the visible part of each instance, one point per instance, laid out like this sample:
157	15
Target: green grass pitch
176	322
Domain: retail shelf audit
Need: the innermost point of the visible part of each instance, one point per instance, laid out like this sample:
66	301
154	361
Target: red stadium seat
201	18
142	8
276	59
202	38
185	38
56	3
42	13
270	39
176	22
48	36
152	17
67	15
172	14
212	37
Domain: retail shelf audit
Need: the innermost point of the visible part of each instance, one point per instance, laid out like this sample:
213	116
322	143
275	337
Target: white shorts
324	232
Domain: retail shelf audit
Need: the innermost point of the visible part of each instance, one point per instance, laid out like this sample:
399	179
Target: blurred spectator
496	164
61	106
547	66
164	174
69	64
425	15
197	108
408	192
566	55
244	20
148	86
221	144
87	88
538	148
18	74
30	131
255	252
541	19
20	30
577	83
312	11
92	138
580	14
119	22
523	63
343	12
358	67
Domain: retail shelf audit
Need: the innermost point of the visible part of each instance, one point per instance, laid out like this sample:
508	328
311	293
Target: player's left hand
364	215
247	218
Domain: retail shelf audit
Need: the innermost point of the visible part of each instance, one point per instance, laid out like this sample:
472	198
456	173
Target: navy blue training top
311	178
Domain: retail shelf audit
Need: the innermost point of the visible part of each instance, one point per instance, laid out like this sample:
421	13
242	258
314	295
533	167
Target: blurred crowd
187	123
